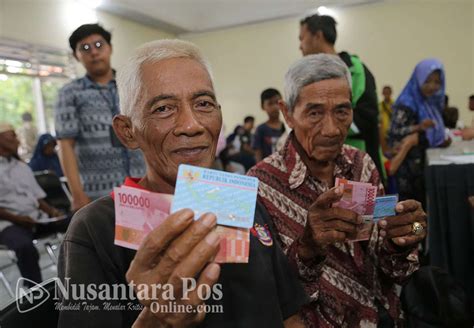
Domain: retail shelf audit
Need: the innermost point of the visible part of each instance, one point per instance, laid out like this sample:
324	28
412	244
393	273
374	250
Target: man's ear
319	36
286	113
124	131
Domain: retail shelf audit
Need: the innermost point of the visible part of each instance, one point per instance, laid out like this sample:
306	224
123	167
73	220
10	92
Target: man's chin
325	155
200	162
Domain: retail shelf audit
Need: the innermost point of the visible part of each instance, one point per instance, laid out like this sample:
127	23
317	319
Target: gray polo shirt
84	112
19	191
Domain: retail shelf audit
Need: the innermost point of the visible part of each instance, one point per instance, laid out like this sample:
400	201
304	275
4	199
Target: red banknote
138	212
360	198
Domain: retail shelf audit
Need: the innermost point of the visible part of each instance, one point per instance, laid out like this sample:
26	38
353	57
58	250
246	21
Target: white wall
50	22
390	37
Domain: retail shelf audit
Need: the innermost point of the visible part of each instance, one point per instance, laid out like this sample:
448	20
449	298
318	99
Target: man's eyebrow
158	98
313	105
344	104
204	93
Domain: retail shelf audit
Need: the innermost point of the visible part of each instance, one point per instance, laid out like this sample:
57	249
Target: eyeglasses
86	47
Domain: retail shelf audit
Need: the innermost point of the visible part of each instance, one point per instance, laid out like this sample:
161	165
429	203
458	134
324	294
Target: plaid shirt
346	285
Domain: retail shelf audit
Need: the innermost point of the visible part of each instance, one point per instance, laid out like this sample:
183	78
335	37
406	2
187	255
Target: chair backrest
55	195
40	312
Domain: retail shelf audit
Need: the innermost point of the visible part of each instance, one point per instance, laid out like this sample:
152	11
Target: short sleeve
258	138
66	119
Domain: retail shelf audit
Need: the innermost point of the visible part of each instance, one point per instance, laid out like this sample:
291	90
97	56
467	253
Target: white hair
129	80
311	69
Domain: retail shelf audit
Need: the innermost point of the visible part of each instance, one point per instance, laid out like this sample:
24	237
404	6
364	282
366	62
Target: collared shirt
348	284
19	191
84	112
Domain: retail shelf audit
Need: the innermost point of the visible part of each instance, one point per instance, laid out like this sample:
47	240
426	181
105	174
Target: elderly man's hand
179	248
327	225
406	228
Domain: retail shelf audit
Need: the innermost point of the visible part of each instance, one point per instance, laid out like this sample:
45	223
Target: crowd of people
135	128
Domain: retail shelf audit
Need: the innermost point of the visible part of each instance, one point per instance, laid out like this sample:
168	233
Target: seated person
21	206
351	284
45	156
170	112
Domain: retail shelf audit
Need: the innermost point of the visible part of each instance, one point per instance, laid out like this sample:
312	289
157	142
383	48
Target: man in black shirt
170	112
318	35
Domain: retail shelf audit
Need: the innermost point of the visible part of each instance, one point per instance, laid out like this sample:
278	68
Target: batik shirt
84	112
353	278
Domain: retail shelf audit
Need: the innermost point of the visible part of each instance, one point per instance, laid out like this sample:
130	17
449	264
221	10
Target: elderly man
170	112
351	284
21	206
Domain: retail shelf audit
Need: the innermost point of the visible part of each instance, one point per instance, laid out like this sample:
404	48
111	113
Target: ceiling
194	16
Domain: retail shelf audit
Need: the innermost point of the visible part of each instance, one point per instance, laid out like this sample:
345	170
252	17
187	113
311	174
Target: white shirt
19	191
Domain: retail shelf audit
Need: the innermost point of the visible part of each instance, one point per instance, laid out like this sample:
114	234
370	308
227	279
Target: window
30	78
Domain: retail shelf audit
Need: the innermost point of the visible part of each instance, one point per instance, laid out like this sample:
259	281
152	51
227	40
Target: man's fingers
399	231
409	205
208	277
181	247
156	240
325	200
334	213
408	240
330	237
405	219
341	226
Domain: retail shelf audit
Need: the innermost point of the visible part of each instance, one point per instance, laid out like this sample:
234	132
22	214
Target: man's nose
329	127
187	123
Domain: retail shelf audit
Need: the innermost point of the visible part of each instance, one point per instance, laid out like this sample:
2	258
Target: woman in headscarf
418	110
45	157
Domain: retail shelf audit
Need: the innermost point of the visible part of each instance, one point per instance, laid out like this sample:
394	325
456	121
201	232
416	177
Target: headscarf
425	108
41	162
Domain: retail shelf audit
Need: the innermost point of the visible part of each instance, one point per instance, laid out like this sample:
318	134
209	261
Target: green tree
16	97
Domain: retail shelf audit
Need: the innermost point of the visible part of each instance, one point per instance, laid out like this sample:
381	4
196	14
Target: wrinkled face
94	54
271	107
308	42
321	118
180	116
432	84
9	143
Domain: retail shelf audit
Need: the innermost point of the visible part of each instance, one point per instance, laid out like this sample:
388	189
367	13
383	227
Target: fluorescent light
13	63
325	11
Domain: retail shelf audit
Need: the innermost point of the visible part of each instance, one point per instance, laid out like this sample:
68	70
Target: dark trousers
20	240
